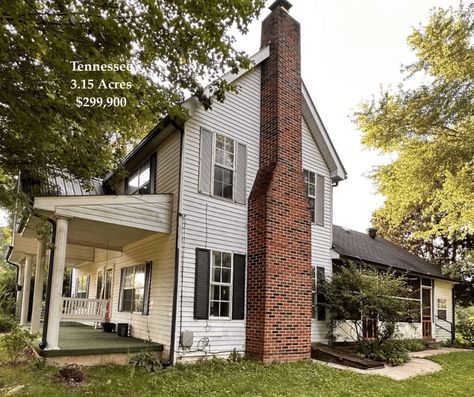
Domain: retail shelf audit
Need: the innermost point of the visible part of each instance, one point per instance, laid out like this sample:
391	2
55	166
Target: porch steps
320	351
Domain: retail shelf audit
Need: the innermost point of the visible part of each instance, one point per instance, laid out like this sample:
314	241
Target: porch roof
107	222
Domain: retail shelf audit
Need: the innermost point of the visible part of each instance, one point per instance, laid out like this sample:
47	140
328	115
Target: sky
349	49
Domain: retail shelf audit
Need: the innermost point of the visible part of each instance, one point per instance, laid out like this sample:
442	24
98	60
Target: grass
219	378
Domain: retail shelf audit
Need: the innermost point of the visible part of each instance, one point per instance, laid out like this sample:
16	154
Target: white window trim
214	136
229	317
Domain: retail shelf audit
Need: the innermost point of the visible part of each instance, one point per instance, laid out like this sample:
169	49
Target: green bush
391	351
7	323
15	342
147	360
413	345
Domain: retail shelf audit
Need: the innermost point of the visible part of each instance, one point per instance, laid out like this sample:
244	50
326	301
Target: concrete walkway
415	367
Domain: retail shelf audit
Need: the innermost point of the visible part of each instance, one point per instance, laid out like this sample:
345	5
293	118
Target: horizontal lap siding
213	223
443	290
158	248
321	236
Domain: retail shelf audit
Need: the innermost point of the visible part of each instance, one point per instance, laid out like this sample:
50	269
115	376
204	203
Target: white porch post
25	303
19	292
55	304
38	288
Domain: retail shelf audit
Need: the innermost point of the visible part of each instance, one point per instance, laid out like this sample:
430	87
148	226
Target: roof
310	114
360	246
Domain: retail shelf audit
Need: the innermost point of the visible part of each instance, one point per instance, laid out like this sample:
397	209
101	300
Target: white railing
84	309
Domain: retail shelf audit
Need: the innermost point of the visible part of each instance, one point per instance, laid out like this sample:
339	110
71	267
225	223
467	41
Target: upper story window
314	184
224	167
139	180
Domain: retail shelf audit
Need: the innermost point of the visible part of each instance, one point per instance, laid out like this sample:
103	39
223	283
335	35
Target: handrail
441	327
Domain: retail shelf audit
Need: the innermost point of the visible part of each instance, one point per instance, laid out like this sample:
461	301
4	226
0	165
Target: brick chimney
279	221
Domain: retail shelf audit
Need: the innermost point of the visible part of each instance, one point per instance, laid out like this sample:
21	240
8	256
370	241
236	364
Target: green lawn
246	379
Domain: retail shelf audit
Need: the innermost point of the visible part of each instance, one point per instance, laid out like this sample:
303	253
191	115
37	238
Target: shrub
391	351
7	323
147	360
15	342
413	345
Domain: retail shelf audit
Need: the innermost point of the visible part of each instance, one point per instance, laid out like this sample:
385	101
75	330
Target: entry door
426	312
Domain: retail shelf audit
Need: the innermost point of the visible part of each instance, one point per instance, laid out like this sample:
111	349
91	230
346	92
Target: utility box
186	339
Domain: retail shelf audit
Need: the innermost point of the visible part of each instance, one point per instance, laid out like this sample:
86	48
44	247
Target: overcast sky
349	48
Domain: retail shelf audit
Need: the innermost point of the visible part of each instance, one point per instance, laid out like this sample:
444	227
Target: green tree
7	278
429	131
175	47
358	292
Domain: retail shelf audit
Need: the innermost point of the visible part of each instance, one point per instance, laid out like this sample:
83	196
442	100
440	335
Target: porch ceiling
108	222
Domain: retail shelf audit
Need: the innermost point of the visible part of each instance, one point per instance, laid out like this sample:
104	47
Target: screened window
442	309
224	167
139	180
310	184
221	284
318	278
132	288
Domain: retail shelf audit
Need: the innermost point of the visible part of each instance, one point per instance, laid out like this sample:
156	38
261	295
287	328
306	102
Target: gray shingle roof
360	246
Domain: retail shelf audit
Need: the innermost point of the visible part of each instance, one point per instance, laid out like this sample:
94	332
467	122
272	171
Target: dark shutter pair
146	292
202	283
205	167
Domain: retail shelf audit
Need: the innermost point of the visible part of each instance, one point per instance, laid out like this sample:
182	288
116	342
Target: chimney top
372	231
286	5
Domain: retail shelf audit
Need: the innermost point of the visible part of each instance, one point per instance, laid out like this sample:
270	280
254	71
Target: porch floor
78	339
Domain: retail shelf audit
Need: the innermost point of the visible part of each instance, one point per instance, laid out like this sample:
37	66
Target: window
221	284
82	286
132	289
104	291
442	309
139	180
224	167
318	310
310	184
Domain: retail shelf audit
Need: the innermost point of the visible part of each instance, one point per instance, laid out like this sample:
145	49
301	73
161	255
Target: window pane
228	177
229	160
100	281
224	312
144	174
215	292
311	208
139	281
312	177
220	141
229	145
226	259
216	258
226	275
442	314
216	275
220	156
225	293
133	182
108	283
227	191
138	300
145	189
127	300
215	309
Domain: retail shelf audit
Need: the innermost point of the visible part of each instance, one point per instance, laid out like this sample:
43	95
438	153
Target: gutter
42	345
7	259
177	252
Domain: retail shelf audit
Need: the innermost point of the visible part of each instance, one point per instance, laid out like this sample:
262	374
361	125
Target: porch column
38	289
25	303
55	304
19	291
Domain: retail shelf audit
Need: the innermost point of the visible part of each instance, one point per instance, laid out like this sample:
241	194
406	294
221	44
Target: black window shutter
153	164
122	273
238	288
201	284
146	293
320	280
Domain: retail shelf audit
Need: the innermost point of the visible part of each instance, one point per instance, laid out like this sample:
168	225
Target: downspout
7	259
177	253
42	345
453	324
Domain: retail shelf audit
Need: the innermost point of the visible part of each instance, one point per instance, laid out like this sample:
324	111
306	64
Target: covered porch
83	227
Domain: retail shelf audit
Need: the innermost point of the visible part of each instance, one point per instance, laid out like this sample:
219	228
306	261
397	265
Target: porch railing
84	309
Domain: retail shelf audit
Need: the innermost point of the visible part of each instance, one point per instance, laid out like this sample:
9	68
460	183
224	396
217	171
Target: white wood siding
158	248
214	223
321	236
443	290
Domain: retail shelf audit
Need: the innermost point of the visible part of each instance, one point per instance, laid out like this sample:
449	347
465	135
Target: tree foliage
429	131
174	46
356	293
